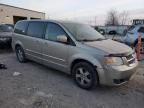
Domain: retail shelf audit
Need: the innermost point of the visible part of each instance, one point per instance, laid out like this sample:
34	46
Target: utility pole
95	19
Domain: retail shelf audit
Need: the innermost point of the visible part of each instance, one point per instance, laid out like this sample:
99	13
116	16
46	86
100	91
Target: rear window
20	27
141	30
6	28
36	29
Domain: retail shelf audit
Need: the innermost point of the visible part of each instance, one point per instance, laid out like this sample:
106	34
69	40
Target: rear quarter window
21	27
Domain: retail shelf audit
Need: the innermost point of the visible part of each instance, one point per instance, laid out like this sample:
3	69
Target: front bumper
116	75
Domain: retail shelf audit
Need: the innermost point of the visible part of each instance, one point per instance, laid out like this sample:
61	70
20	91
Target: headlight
115	61
3	39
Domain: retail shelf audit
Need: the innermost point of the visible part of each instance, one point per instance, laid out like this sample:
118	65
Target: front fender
86	57
16	43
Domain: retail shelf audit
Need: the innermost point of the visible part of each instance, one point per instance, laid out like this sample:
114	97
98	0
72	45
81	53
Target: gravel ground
31	85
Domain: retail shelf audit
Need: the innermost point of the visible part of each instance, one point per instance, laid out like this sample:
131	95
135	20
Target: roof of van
56	21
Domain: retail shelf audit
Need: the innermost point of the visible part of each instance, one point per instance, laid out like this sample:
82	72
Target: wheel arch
80	60
18	44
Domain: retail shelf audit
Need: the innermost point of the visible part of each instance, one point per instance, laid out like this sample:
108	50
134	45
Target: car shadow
5	49
69	79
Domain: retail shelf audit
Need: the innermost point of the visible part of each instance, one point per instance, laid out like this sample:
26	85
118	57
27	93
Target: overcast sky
80	9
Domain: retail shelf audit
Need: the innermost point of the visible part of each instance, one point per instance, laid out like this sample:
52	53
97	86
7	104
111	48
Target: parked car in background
113	30
101	31
76	49
11	25
131	37
6	31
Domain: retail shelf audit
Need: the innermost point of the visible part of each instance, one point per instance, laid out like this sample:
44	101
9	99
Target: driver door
55	54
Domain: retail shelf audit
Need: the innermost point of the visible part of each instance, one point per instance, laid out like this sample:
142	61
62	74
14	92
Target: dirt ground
31	85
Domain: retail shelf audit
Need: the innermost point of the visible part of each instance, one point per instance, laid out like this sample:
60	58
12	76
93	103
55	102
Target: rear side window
36	29
141	30
54	30
21	27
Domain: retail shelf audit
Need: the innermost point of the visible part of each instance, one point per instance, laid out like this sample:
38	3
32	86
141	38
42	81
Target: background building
11	14
138	21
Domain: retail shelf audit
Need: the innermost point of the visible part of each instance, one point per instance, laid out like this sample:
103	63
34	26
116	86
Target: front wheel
85	75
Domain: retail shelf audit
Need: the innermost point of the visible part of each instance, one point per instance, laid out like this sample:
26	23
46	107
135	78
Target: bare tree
123	18
112	18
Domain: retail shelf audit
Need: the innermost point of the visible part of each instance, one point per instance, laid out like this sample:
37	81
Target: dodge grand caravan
76	49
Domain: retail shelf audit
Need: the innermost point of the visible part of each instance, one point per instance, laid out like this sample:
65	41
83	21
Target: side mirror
62	39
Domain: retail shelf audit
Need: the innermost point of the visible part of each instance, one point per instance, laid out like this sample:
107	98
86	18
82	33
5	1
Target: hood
110	46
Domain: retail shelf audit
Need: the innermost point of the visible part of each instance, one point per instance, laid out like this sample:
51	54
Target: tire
142	47
112	32
20	54
85	75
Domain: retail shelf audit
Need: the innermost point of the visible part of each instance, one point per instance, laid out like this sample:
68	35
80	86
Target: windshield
83	32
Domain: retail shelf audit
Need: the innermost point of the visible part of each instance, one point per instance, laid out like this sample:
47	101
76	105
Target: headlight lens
115	61
4	39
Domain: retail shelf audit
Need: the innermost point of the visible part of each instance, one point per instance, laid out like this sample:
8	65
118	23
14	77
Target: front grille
130	59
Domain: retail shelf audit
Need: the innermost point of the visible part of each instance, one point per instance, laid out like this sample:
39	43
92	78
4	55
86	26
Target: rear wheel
85	75
112	32
20	54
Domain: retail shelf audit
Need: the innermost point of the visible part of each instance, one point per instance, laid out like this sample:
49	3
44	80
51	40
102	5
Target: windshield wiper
99	39
85	40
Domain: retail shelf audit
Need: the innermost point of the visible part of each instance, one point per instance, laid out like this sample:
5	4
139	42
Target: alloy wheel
83	76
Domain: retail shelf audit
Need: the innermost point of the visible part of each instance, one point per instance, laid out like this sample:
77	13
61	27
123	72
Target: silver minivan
76	49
